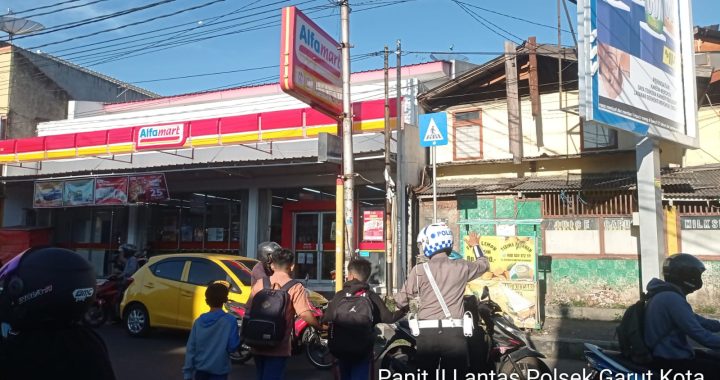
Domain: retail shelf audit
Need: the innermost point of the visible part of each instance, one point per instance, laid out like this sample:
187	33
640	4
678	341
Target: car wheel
137	320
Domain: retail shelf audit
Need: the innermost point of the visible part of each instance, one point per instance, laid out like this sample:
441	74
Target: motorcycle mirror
485	293
307	278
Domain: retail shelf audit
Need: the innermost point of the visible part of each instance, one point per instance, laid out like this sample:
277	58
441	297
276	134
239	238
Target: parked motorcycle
506	351
107	303
305	338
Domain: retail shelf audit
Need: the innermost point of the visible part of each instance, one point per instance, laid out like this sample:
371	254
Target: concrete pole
652	233
348	170
388	188
401	204
251	241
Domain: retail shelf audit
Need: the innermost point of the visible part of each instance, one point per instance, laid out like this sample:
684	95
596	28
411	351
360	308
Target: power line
484	22
64	9
46	6
514	17
206	74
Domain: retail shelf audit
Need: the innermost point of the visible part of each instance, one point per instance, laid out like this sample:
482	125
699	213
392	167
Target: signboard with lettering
618	236
161	136
562	236
636	67
148	188
310	63
699	233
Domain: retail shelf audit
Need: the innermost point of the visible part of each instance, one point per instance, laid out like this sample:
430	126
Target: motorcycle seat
620	359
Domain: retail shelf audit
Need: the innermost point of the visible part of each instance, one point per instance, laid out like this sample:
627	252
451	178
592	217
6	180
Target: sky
167	47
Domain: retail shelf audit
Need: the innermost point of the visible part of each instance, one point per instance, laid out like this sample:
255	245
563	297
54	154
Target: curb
567	348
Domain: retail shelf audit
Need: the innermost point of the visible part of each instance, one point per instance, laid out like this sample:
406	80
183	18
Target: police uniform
441	340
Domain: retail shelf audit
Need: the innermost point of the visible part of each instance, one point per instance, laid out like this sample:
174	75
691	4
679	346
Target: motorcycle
497	344
107	303
304	337
607	364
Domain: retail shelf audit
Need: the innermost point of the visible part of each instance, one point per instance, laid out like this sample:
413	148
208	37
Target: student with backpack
213	337
352	315
654	331
273	304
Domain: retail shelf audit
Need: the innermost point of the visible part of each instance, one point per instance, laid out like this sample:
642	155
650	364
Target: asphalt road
161	355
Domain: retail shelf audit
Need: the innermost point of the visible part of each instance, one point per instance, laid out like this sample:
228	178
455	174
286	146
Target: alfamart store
209	172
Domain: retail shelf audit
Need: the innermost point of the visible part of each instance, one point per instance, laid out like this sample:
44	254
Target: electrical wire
46	6
64	9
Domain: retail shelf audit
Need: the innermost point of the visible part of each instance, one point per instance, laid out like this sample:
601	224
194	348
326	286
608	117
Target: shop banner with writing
511	278
111	190
79	193
48	194
373	225
148	188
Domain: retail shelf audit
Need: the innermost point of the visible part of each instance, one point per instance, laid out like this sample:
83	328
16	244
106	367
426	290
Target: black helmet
685	271
265	250
45	287
127	250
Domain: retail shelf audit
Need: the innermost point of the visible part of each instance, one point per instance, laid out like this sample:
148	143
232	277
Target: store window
598	137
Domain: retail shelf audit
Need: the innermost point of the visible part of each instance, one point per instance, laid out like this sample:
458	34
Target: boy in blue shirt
206	357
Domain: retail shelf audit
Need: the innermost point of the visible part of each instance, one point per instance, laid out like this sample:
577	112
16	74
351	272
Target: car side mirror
485	293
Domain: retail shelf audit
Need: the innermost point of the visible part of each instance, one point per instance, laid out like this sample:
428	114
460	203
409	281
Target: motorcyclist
128	252
44	294
441	340
670	320
264	254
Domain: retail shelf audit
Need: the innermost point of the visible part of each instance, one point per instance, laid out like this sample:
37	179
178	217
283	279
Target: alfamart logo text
161	135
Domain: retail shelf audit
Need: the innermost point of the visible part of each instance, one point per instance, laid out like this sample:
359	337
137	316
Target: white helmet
435	238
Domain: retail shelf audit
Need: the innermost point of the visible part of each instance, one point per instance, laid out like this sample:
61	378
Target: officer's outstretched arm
408	291
480	265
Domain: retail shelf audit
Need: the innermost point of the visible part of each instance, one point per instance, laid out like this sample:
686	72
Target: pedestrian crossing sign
433	129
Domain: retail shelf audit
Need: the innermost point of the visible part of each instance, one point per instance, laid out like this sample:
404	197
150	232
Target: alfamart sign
310	64
161	136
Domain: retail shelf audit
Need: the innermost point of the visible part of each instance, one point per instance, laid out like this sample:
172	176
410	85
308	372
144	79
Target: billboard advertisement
310	63
79	193
148	188
111	190
48	194
636	67
373	225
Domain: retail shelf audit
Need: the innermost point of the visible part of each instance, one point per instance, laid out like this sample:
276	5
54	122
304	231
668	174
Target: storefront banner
511	276
161	136
148	188
373	225
634	61
79	193
516	298
510	257
111	190
48	194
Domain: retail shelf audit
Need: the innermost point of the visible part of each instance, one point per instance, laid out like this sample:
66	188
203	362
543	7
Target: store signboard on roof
310	63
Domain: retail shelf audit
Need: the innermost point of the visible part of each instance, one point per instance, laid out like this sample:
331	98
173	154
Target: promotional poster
147	188
48	194
111	190
79	193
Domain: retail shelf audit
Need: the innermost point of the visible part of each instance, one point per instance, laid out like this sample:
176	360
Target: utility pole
388	183
401	207
348	170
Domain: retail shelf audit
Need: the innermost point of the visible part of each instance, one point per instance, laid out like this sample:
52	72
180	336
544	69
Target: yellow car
169	291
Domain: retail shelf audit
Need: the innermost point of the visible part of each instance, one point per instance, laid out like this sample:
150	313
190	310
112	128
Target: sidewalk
564	338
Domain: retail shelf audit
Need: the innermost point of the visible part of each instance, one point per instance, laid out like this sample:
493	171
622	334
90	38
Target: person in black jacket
357	367
43	295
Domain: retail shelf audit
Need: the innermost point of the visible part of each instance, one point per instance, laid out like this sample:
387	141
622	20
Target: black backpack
352	331
265	324
631	331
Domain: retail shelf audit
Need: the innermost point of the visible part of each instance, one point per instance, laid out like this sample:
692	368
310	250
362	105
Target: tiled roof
692	183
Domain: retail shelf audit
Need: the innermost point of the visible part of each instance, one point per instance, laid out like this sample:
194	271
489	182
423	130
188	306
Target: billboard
79	193
48	194
111	190
147	188
636	64
310	63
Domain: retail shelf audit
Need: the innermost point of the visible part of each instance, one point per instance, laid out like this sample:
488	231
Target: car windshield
241	271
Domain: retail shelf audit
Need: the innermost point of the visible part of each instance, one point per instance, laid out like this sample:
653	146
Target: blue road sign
433	129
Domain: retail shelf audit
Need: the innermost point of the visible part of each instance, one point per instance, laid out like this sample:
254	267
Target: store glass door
314	245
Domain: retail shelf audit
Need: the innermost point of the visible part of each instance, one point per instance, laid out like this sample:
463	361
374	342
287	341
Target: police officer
264	255
441	341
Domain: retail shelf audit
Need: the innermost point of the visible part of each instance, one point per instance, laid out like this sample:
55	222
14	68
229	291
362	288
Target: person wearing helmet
440	334
43	295
128	252
264	254
670	320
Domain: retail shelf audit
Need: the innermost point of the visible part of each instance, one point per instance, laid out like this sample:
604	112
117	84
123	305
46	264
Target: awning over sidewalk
699	183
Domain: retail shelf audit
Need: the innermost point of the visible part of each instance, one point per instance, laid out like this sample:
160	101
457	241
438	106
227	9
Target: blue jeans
270	367
354	370
201	375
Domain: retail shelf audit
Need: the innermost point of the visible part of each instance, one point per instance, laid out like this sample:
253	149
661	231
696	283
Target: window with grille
467	135
598	137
